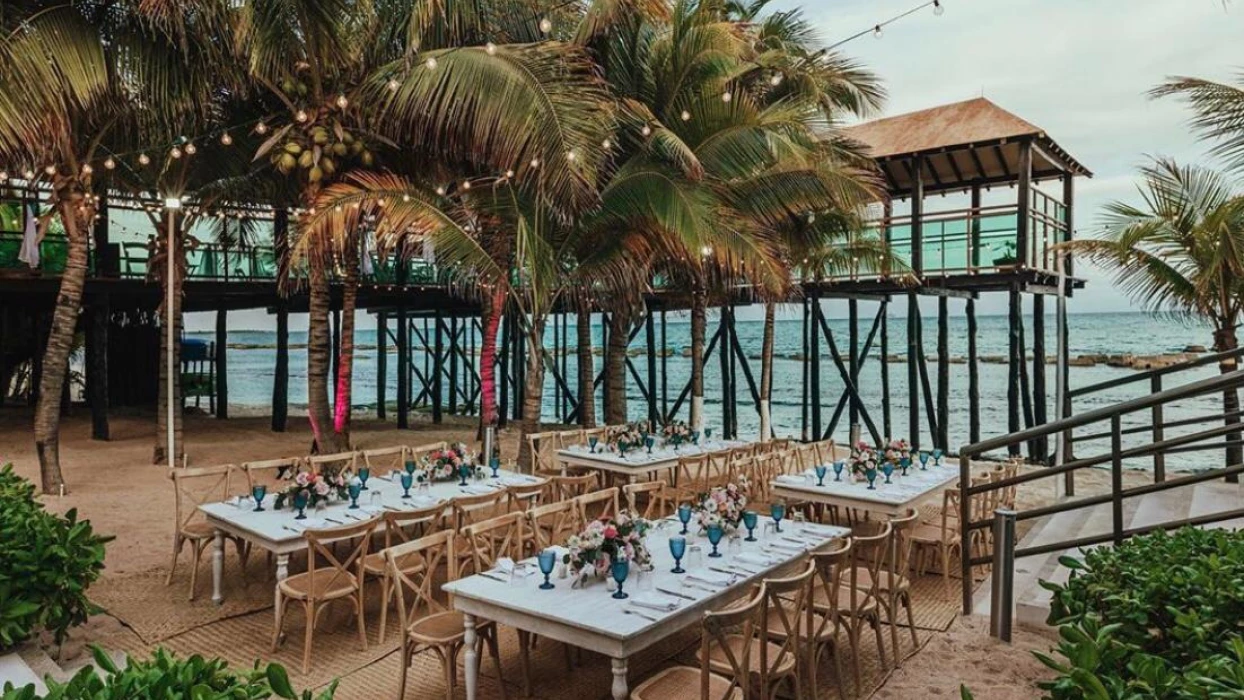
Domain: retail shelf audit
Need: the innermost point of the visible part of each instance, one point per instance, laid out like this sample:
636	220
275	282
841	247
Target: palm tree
1181	253
1218	112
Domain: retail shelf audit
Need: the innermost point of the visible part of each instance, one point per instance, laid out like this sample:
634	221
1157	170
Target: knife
676	594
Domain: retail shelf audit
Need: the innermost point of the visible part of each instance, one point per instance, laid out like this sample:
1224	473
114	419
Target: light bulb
4	175
405	198
535	162
491	48
394	85
191	149
706	251
110	164
87	169
342	102
686	116
261	128
938	8
380	202
571	155
441	190
877	31
50	170
175	153
226	139
606	144
776	80
509	174
143	159
466	184
431	63
727	96
546	25
301	116
646	131
29	174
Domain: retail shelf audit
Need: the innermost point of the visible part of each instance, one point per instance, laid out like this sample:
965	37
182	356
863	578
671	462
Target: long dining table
638	464
278	532
890	500
588	617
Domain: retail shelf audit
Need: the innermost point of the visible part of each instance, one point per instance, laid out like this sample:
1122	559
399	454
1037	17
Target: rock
1082	361
994	359
1195	348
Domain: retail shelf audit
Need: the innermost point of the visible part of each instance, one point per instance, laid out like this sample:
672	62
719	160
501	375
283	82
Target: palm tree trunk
323	437
492	306
174	316
533	390
342	402
698	324
1224	340
587	368
59	344
766	371
615	367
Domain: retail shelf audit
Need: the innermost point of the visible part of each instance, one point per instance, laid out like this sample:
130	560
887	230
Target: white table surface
278	531
889	499
590	618
639	462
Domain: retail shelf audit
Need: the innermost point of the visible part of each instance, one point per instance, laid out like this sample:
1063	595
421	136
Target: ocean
251	362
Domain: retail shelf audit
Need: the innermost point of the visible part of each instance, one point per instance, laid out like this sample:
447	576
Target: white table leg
620	690
471	660
218	568
282	567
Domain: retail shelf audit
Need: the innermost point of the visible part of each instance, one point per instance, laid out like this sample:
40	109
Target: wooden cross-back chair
400	526
806	456
823	623
720	467
691	476
778	646
550	524
567	488
418	451
824	451
193	487
333	463
597	505
385	459
341	579
530	495
858	602
439	630
650	500
543	449
600	433
715	629
271	472
894	578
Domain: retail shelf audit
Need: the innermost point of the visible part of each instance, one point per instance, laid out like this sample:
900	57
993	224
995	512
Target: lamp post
171	205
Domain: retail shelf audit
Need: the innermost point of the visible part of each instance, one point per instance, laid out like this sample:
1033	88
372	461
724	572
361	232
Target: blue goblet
924	460
620	569
354	489
937	456
678	547
871	474
464	471
777	511
300	503
410	466
494	464
258	492
887	469
546	559
715	533
364	475
649	441
904	464
695	437
407	480
839	465
708	433
591	443
684	515
749	522
821	470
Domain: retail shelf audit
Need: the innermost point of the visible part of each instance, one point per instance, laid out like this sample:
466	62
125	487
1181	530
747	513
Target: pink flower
611	532
322	488
302	479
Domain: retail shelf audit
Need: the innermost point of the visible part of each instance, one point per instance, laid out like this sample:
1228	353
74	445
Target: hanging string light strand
938	9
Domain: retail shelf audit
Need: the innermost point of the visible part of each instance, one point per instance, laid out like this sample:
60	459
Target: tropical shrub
1160	616
47	562
166	677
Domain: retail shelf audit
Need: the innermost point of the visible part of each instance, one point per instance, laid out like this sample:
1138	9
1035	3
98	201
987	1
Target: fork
632	611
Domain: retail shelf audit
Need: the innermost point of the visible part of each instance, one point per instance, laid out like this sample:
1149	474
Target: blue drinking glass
821	470
937	456
749	522
708	433
464	471
258	492
591	443
364	475
715	533
777	511
649	441
887	469
695	437
494	464
839	465
678	547
924	460
300	503
354	490
411	466
904	464
620	569
684	515
871	475
407	481
546	559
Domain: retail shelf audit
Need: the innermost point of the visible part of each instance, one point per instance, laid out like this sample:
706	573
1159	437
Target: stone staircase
31	664
1032	602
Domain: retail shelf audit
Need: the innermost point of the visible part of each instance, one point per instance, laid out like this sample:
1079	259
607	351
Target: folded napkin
653	601
516	480
308	524
712	578
478	489
790	479
358	514
757	559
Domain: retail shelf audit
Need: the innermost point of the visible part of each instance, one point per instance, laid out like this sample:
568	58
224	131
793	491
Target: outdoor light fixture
226	139
938	8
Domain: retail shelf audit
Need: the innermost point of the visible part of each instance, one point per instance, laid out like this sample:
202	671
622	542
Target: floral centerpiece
593	551
895	451
626	439
316	488
443	465
676	433
722	505
863	458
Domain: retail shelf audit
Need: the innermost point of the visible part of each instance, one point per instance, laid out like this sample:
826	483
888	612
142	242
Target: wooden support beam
804	367
845	373
222	364
943	374
1069	198
863	359
382	361
814	376
974	233
951	292
97	366
917	220
727	386
853	359
974	391
686	391
913	352
336	351
886	418
1022	214
1014	360
1038	373
503	369
980	167
1025	390
926	388
403	367
650	336
438	365
280	383
665	397
453	364
745	365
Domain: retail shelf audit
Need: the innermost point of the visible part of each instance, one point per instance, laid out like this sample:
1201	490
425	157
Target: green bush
46	564
1160	616
166	677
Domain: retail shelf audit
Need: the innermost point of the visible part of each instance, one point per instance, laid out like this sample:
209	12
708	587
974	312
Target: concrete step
15	670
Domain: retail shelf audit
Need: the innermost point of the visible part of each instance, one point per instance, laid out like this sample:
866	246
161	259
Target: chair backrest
335	463
320	547
398	523
899	558
831	560
495	538
551	524
779	444
418	451
720	467
543	448
868	553
597	505
587	433
569	487
434	549
654	503
469	509
717	627
271	471
527	496
806	456
692	474
785	600
192	487
824	451
385	458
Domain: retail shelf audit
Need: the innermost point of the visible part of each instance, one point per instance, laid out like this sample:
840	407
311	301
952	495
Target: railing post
1116	477
1159	459
965	519
1001	602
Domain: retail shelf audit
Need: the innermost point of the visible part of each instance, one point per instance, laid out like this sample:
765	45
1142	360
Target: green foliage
46	564
166	677
1158	617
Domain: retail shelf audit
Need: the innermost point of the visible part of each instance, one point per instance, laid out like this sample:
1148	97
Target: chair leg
889	613
946	571
853	638
842	679
197	547
278	624
401	683
449	663
178	543
309	606
385	595
875	622
524	660
911	620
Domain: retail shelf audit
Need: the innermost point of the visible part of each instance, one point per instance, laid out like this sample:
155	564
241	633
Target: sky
1079	69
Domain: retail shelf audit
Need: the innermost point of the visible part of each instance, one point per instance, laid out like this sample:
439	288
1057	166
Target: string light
191	149
109	163
440	190
4	175
776	80
938	8
490	48
466	184
261	128
877	31
226	139
509	174
50	170
87	169
175	153
144	159
571	155
686	116
535	162
646	131
394	85
29	174
405	198
342	102
546	25
606	144
727	96
431	63
301	117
